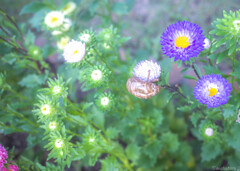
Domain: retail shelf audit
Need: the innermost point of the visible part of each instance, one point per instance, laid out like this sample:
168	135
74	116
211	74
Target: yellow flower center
54	19
76	51
44	109
212	92
182	42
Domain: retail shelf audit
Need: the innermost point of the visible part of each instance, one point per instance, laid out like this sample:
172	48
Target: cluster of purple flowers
3	160
184	40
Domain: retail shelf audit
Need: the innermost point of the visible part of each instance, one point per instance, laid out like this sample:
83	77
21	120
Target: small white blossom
54	19
52	125
85	37
46	109
67	23
59	143
56	32
207	43
209	131
238	117
63	42
96	75
147	71
92	139
236	24
74	51
105	101
56	89
106	46
69	8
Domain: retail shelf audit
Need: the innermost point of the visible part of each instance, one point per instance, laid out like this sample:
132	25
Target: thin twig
176	89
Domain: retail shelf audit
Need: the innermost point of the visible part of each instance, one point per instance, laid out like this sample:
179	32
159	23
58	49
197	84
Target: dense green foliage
41	95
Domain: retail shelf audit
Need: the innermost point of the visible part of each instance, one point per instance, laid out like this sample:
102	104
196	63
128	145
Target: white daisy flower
69	8
74	51
207	43
147	71
52	125
85	37
63	42
96	75
54	19
46	109
236	24
105	101
209	131
58	143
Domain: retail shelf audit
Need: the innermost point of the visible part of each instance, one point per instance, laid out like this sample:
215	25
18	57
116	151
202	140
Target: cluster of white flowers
55	19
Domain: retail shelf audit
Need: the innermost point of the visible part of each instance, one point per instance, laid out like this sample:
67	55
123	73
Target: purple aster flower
147	71
182	40
3	156
212	90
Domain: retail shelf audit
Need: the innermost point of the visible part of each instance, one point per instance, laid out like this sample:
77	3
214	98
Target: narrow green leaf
190	77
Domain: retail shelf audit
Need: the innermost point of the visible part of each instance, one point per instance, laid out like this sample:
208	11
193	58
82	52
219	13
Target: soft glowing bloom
147	71
96	75
106	46
11	168
52	125
54	19
85	37
56	89
236	24
209	131
212	90
69	8
59	143
46	109
74	51
63	42
182	40
67	23
56	32
105	101
207	43
3	156
92	139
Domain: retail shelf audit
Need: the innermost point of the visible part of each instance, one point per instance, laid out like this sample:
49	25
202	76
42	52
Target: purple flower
3	156
182	40
147	71
212	90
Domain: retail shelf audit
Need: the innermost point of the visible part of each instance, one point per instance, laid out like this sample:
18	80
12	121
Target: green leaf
170	141
229	110
190	77
32	80
112	132
195	118
232	137
33	7
133	152
167	78
210	151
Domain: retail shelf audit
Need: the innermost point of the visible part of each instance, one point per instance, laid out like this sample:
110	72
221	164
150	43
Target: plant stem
173	89
194	69
233	67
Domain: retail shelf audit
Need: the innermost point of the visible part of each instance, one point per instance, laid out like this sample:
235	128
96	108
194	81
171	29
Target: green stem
233	67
